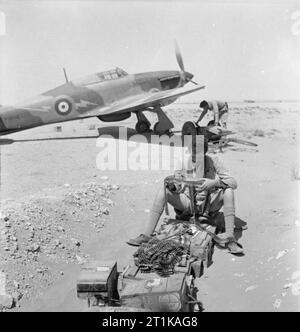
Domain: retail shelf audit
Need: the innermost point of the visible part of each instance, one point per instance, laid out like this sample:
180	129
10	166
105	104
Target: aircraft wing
142	101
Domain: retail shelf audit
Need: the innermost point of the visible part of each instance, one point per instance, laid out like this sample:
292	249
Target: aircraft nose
188	76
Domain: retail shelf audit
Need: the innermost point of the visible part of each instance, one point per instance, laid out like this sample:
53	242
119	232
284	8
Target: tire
142	127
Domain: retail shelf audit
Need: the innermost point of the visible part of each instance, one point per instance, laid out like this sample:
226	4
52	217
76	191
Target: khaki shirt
214	169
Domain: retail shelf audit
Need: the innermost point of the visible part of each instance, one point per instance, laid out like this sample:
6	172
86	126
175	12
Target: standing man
220	110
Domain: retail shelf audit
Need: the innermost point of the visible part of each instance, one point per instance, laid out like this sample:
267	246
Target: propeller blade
178	56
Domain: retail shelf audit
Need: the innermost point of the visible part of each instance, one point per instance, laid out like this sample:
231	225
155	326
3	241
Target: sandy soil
41	168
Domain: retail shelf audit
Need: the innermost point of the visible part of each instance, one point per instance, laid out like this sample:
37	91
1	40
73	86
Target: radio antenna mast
66	77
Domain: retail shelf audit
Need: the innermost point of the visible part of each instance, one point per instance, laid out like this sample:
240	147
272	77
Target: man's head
204	104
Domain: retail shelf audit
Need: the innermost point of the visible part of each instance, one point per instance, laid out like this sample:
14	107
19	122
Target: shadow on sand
116	132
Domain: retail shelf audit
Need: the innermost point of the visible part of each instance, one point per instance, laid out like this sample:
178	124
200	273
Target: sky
238	49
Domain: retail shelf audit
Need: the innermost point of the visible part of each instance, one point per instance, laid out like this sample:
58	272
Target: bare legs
182	203
178	201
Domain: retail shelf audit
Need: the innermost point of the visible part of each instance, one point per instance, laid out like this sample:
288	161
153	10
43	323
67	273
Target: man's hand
209	184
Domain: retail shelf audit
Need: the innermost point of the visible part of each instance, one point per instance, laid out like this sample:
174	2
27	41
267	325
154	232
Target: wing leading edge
141	102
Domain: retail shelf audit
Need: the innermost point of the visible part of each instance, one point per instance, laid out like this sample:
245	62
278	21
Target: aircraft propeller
186	76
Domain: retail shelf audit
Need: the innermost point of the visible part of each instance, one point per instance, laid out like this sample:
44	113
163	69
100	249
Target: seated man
218	184
220	110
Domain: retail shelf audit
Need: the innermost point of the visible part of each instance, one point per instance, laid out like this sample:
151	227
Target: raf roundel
63	106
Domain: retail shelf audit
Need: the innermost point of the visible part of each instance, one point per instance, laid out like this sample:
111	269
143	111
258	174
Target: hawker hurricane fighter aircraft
110	96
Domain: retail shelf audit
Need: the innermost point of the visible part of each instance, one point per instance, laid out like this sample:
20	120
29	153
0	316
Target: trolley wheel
189	128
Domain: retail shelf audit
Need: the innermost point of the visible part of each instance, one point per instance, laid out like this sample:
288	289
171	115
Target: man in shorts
218	184
219	109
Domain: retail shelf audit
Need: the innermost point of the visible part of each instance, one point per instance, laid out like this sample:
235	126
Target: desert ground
58	210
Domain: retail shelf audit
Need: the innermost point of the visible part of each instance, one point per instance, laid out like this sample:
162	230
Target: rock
281	253
80	259
296	275
17	296
250	288
57	242
104	211
60	229
6	301
76	242
16	284
15	247
35	248
239	275
277	303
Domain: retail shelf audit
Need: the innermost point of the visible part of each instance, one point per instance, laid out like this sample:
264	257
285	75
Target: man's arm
202	115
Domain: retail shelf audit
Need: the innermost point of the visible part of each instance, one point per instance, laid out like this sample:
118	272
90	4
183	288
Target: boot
142	238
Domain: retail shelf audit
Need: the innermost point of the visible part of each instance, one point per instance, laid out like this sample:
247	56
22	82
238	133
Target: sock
229	216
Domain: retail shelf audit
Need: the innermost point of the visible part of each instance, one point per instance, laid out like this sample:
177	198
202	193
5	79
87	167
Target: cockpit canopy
100	77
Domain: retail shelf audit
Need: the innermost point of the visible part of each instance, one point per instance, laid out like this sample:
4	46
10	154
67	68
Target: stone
6	301
76	242
17	296
60	229
16	284
57	242
35	248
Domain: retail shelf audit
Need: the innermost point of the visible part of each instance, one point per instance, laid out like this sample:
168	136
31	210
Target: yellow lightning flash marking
84	103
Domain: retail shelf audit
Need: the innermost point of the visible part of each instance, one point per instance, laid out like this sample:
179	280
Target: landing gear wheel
166	132
142	127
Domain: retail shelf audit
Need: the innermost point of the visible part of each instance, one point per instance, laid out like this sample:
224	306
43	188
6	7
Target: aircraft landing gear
160	132
164	124
143	125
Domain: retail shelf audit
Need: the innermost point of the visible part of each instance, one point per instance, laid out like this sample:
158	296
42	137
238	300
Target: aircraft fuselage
93	95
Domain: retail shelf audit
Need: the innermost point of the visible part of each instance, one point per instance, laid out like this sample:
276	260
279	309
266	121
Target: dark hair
203	104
